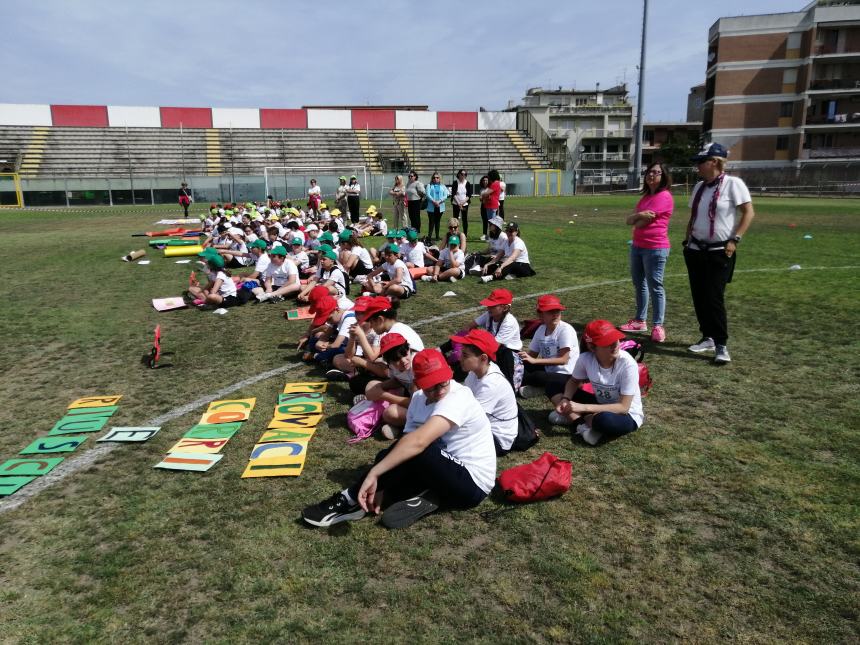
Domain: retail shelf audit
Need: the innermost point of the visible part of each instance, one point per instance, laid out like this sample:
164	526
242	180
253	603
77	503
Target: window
782	143
793	41
786	109
789	76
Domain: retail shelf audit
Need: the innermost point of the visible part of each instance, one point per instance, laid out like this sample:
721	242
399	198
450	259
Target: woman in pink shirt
650	250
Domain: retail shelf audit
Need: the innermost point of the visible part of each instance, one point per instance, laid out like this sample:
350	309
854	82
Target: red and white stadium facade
118	116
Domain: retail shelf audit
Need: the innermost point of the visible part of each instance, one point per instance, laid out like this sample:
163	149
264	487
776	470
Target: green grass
732	514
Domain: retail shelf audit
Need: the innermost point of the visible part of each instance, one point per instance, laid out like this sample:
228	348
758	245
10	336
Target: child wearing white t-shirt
552	353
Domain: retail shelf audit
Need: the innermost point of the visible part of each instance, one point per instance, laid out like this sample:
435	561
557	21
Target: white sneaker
486	278
262	297
531	391
483	238
558	419
722	355
366	293
452	279
590	436
704	345
389	431
510	277
475	270
426	278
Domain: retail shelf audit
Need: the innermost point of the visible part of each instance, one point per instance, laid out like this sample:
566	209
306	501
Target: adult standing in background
491	194
353	198
340	201
483	194
720	213
503	187
650	250
461	193
437	193
414	194
398	198
185	198
314	198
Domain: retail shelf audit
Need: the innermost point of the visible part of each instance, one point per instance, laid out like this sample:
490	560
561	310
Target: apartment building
588	131
782	90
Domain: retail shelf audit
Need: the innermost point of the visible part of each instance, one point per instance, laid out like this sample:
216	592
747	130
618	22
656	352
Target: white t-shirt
363	256
406	279
380	227
414	253
459	257
499	403
564	335
281	275
733	193
503	187
519	245
301	259
353	190
347	320
338	278
412	338
262	264
228	287
314	190
470	441
506	332
613	383
460	193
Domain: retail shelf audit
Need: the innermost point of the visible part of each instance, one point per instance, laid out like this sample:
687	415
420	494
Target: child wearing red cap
498	319
490	387
332	341
615	408
552	353
398	387
445	457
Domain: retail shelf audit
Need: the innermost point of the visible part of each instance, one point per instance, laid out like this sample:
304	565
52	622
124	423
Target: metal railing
555	149
604	156
620	108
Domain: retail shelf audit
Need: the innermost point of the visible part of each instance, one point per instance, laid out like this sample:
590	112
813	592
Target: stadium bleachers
58	151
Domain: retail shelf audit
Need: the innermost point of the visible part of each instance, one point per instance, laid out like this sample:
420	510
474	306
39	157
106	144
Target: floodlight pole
130	174
633	180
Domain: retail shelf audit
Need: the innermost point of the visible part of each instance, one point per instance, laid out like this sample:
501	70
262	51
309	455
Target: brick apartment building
783	91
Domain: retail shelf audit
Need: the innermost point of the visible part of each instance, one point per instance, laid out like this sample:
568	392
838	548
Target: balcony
604	156
826	85
619	108
830	153
600	133
836	120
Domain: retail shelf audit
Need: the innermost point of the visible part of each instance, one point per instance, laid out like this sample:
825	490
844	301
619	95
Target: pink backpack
364	418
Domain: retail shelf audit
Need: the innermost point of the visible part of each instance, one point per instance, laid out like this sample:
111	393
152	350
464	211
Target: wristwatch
736	239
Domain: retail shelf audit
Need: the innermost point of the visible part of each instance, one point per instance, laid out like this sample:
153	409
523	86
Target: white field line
87	458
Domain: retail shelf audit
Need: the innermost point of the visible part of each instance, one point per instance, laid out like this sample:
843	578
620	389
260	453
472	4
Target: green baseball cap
215	261
330	254
454	239
393	248
346	235
258	244
393	234
325	247
411	235
297	240
208	252
326	237
341	178
278	250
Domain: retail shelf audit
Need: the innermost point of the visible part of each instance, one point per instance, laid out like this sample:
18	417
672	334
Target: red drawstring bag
548	476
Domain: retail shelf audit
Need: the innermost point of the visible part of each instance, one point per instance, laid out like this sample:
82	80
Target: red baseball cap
374	306
430	368
549	302
390	341
601	333
323	308
361	303
498	297
315	294
480	338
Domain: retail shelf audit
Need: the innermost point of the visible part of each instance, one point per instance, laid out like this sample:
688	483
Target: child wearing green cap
451	264
354	258
220	290
328	274
399	283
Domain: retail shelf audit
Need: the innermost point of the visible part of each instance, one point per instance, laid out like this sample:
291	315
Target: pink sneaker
634	325
199	301
658	334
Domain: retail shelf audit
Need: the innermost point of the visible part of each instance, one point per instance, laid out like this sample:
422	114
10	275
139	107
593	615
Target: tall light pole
633	181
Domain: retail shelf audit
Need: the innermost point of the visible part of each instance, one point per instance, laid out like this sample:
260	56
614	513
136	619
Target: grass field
731	515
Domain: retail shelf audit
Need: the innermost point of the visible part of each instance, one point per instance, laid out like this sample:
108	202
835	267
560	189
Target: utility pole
633	181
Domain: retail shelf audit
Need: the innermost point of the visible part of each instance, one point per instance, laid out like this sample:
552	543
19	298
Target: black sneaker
336	375
333	510
402	514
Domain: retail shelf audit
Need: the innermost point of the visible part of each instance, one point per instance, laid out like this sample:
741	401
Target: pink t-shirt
656	234
493	198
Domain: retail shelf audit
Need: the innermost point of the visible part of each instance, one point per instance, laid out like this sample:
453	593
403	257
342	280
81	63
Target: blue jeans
646	268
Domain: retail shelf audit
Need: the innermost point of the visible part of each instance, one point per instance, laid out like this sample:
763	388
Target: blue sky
262	53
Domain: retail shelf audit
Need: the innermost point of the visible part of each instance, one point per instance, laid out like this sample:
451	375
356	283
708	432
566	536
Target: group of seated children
448	430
